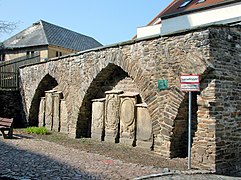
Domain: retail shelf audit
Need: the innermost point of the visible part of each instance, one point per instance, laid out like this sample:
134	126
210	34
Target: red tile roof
174	8
152	22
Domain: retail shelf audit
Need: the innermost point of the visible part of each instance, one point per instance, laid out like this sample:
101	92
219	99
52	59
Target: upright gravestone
41	114
144	127
112	119
98	119
56	110
128	101
49	110
64	125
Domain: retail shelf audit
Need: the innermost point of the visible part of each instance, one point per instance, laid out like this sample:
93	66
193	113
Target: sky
108	21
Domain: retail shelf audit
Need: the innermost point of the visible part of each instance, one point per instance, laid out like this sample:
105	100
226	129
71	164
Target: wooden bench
6	124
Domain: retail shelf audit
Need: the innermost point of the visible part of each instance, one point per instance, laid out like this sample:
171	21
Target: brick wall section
218	137
226	57
204	143
140	64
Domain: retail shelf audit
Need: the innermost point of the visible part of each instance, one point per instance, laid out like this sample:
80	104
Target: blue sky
108	21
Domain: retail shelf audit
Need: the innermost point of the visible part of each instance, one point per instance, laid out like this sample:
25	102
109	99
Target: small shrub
83	140
36	130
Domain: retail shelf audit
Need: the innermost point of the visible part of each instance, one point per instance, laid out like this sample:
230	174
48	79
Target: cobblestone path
38	159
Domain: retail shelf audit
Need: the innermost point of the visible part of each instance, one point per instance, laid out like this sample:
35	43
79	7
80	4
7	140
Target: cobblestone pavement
27	158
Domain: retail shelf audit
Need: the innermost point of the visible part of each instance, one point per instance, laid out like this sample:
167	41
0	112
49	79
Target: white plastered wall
220	15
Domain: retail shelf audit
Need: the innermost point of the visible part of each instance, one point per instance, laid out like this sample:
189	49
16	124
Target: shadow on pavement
21	164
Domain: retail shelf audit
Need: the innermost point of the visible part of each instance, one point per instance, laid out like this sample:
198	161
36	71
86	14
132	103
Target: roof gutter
24	47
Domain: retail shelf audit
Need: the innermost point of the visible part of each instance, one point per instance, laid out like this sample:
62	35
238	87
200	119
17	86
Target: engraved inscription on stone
49	109
112	108
97	125
127	117
41	116
56	113
127	112
112	113
64	125
144	126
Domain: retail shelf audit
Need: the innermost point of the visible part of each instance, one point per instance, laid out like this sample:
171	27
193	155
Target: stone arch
109	78
179	137
175	115
47	83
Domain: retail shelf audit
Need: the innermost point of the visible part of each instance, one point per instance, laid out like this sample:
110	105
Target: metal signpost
190	83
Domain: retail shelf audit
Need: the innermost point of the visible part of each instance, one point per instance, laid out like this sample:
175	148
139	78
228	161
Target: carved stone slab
49	109
56	110
144	127
98	119
112	119
127	118
64	125
41	114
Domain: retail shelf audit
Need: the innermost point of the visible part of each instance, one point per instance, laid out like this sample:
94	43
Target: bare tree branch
7	27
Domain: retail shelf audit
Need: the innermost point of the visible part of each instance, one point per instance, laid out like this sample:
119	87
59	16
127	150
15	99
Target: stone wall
226	109
137	66
11	107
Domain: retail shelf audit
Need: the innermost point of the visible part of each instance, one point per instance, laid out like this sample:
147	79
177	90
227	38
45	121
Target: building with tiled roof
183	15
47	40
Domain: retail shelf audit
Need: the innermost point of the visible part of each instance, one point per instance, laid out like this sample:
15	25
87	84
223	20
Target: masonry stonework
11	107
136	66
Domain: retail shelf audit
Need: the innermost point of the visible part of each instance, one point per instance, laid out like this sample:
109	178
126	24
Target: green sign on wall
162	85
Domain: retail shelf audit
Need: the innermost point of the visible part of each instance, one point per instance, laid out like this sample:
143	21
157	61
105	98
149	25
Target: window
201	1
185	3
30	54
2	57
58	54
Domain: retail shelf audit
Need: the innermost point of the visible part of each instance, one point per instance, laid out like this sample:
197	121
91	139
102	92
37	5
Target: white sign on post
190	83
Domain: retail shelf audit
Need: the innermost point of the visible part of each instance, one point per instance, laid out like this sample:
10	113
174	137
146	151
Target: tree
7	27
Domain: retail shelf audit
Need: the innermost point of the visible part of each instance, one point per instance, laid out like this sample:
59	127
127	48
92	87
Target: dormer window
200	1
185	3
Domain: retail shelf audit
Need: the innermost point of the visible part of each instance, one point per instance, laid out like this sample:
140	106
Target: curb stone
174	172
155	175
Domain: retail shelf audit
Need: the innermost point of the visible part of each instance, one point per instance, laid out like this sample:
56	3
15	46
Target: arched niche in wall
110	78
47	83
179	138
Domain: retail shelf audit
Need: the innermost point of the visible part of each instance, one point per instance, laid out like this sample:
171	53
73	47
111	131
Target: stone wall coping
144	105
114	92
58	92
129	94
129	42
50	91
98	100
